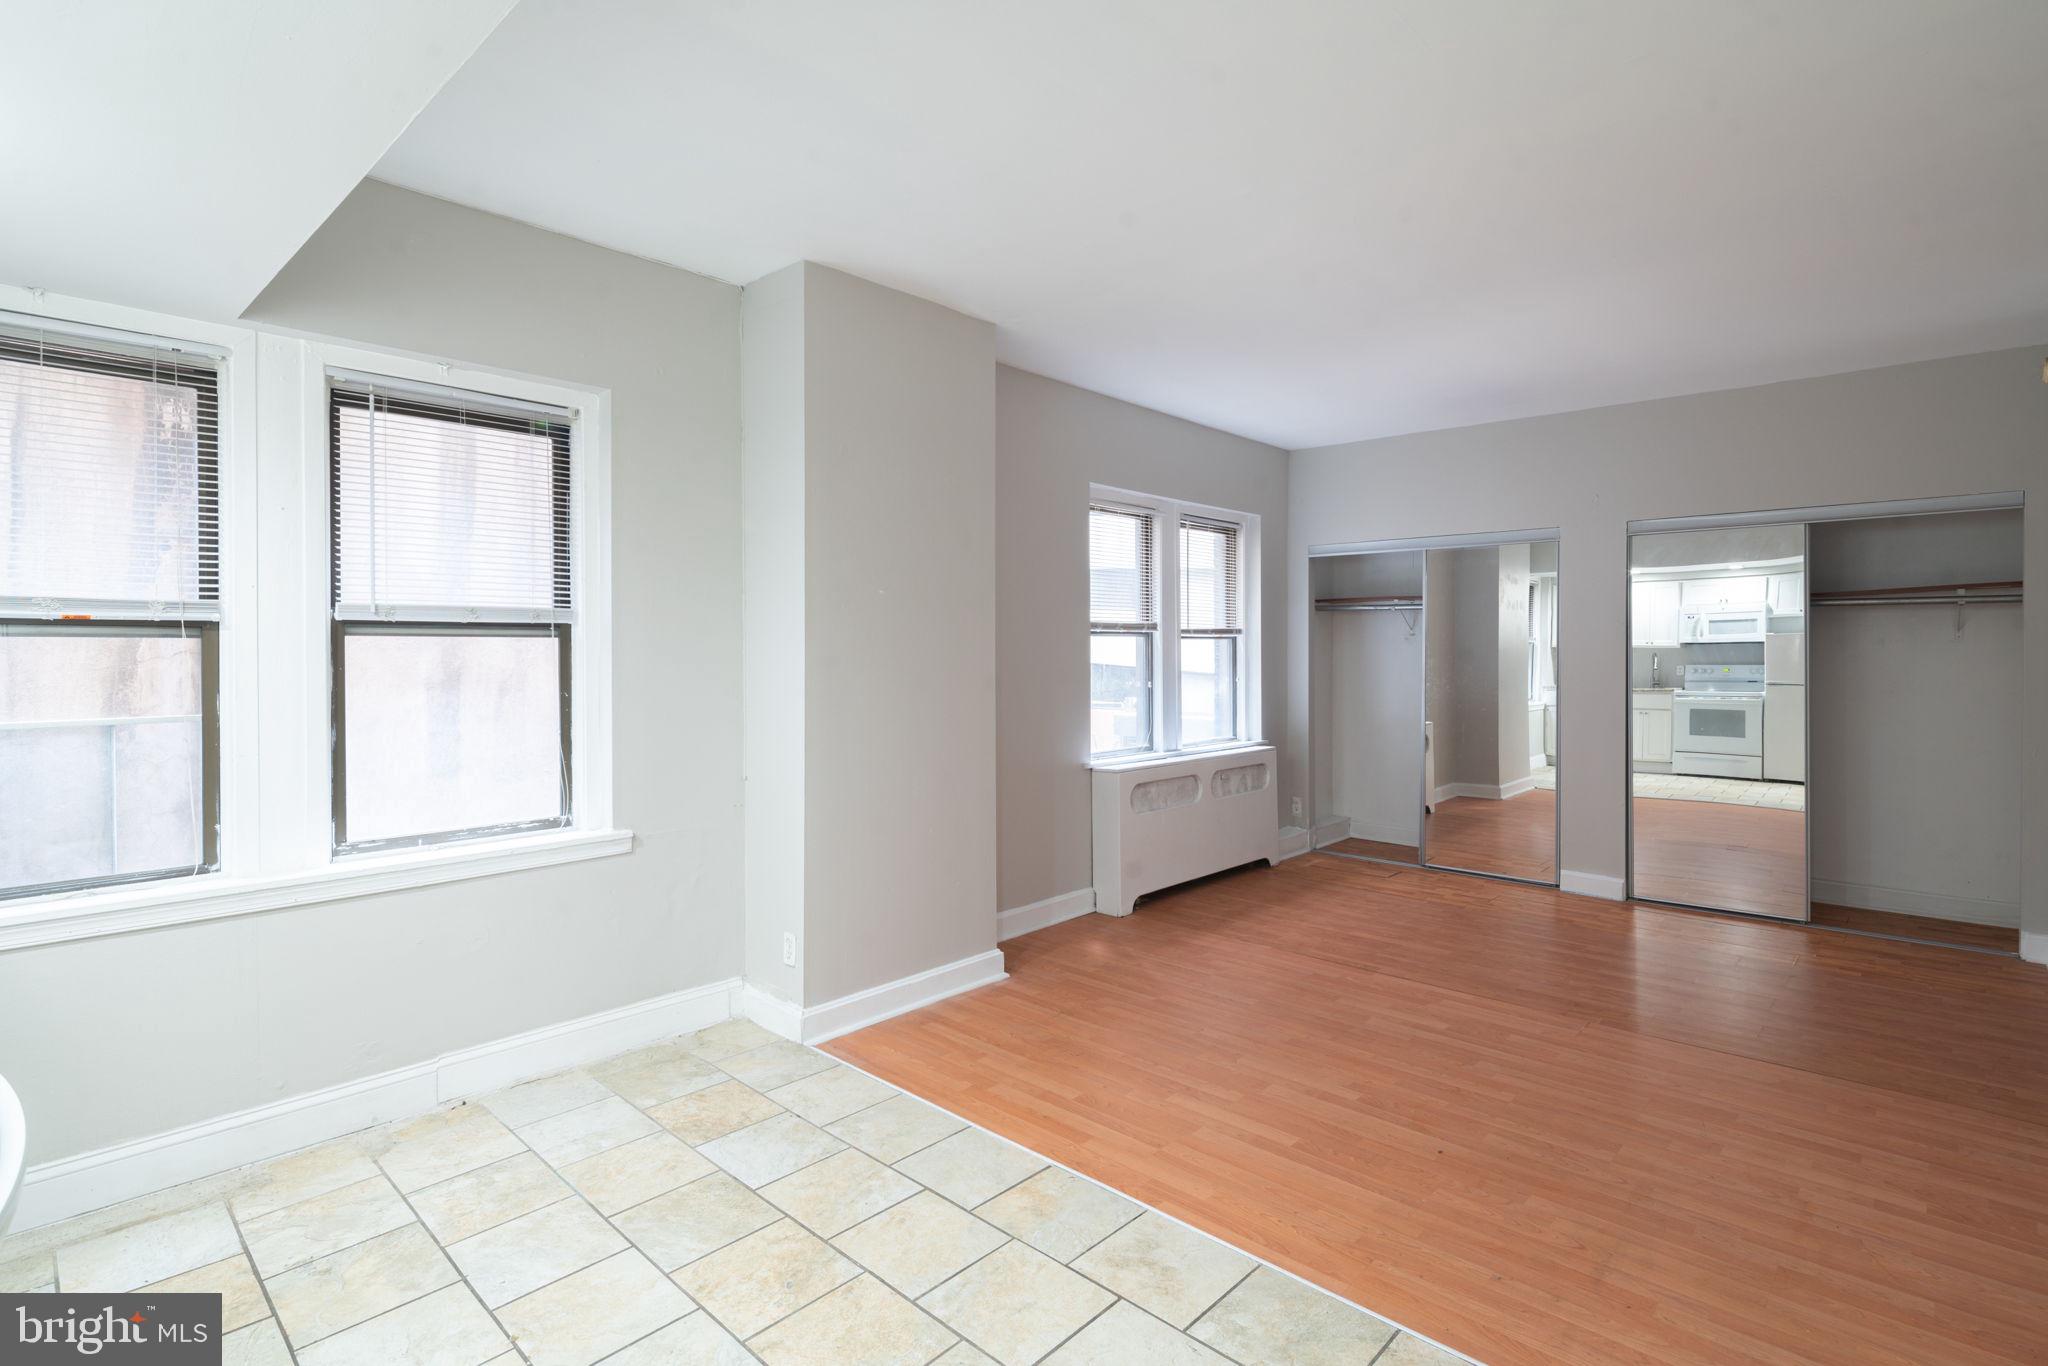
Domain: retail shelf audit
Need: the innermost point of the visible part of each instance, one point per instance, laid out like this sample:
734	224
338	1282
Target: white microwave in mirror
1704	624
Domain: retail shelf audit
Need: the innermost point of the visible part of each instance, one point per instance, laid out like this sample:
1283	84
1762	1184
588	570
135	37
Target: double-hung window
1170	646
453	603
109	610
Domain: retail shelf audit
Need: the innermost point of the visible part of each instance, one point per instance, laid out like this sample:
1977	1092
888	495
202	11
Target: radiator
1163	821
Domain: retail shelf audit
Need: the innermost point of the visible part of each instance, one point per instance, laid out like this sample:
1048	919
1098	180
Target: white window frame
1165	690
275	806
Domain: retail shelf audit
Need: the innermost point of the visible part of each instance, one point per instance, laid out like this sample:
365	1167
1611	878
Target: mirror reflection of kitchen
1491	703
1366	694
1717	673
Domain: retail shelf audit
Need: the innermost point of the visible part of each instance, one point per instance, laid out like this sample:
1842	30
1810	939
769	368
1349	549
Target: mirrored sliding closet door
1490	708
1717	742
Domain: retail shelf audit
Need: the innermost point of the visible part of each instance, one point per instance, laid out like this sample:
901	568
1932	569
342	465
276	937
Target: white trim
1294	842
863	1008
1599	885
1330	831
815	1024
771	1012
1935	905
1042	914
590	1038
74	1185
215	896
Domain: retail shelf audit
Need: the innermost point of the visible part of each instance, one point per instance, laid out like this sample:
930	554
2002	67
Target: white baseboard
1293	841
1041	914
833	1018
771	1012
74	1185
1593	884
1484	791
1932	904
830	1019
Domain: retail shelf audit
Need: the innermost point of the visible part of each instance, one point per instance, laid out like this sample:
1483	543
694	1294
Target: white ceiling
174	155
1309	222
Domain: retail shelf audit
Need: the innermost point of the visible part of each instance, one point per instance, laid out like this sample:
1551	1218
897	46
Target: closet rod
1932	595
1977	600
1369	605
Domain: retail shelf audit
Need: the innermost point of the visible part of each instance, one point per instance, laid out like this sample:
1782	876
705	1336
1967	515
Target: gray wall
899	575
772	521
255	1009
1974	424
1052	441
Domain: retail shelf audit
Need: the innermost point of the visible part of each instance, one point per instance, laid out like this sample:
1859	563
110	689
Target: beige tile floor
723	1198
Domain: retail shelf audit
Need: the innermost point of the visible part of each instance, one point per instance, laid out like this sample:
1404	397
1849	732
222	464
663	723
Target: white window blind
1209	577
1121	588
109	479
447	508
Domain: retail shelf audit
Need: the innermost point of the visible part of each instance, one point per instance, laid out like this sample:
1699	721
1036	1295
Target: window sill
210	896
1176	756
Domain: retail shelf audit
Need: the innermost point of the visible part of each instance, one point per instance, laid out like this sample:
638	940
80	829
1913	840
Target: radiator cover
1162	821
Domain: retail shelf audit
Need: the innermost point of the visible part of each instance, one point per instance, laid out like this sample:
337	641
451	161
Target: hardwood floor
1515	838
1735	858
1540	1128
1998	938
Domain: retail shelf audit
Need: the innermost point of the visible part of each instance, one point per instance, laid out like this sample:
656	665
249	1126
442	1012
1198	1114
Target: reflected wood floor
1537	1127
1735	858
1516	837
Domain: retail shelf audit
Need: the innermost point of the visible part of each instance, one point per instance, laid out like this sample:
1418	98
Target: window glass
1208	689
102	770
1120	703
450	733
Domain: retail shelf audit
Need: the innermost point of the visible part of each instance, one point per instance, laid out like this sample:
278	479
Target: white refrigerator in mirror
1785	707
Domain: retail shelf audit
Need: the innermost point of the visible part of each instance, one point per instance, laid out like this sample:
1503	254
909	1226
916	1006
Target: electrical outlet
789	950
1297	808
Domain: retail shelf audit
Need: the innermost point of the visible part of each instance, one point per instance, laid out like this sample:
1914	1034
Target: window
1543	638
1151	688
109	610
453	605
1211	630
1123	628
